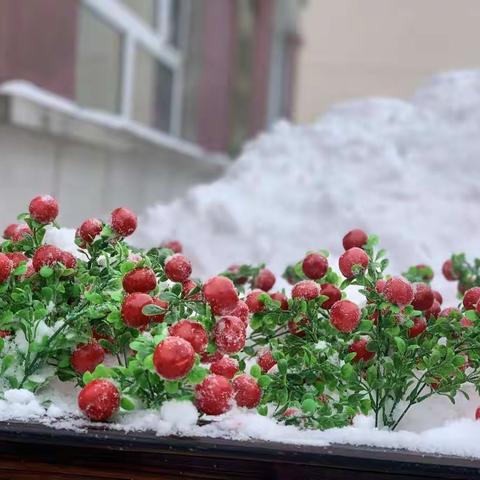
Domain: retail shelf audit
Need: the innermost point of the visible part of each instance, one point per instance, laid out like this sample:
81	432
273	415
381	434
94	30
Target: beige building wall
358	48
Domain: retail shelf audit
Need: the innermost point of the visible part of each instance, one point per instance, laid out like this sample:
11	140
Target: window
129	59
98	69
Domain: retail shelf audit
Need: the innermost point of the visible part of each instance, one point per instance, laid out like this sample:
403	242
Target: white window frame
155	40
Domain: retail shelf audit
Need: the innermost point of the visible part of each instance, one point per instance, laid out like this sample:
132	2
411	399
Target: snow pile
404	170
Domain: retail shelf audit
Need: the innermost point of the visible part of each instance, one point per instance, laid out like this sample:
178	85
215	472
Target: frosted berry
132	307
315	266
10	230
17	258
225	366
264	280
43	209
332	292
266	361
471	298
345	316
68	260
187	287
235	269
140	280
241	311
306	289
86	357
280	297
446	312
229	334
253	301
296	327
438	296
422	296
16	232
173	245
46	255
477	414
350	258
447	270
193	332
360	348
380	285
247	391
173	358
99	400
355	238
419	326
214	395
178	268
89	229
220	294
6	266
398	291
433	311
425	271
466	322
5	333
124	221
210	357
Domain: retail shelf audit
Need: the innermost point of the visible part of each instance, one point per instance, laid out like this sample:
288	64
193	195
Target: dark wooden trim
29	449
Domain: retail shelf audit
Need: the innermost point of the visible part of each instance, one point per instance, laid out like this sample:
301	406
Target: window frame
155	40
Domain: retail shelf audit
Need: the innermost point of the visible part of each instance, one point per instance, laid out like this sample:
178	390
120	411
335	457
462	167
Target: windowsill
25	105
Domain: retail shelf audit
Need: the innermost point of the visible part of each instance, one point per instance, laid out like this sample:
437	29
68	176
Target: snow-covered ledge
98	160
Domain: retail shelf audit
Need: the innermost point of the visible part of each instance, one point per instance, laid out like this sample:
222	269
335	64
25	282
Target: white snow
406	170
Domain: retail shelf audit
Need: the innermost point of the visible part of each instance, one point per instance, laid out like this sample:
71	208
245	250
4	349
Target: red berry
178	268
422	296
266	361
17	258
124	221
264	280
161	316
192	332
247	392
16	232
173	245
10	230
438	296
332	292
187	287
46	255
477	414
68	260
235	269
140	280
43	209
419	326
353	256
306	289
380	285
398	291
173	358
214	395
433	311
220	294
89	229
295	328
280	297
315	266
99	400
6	266
5	333
132	307
225	366
355	238
241	311
345	316
447	270
360	348
229	334
86	357
253	301
471	298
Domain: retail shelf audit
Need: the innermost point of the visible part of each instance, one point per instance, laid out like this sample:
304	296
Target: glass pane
146	10
152	91
174	20
98	63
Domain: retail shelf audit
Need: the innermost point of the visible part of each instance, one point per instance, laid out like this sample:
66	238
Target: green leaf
282	366
262	410
255	371
151	310
46	272
94	298
346	371
127	403
171	387
197	375
401	345
264	381
127	267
